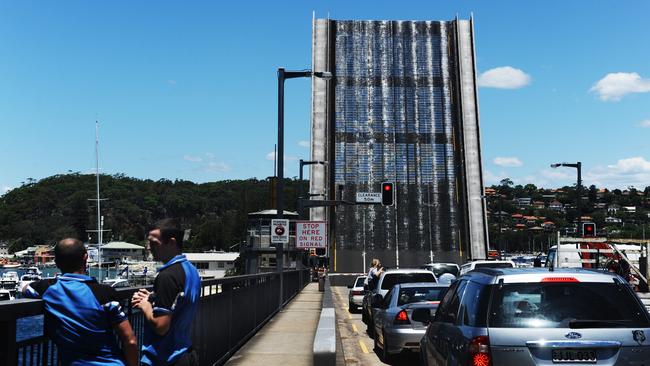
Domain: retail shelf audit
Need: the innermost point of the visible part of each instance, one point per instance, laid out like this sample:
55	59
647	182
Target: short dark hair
169	228
69	255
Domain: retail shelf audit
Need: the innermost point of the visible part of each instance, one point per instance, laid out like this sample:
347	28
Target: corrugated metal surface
396	117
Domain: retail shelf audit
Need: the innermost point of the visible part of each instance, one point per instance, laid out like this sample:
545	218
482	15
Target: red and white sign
311	234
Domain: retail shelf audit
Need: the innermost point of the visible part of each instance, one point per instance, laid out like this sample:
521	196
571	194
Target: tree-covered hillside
43	212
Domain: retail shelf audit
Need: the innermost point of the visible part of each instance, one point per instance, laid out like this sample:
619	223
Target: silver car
395	327
355	295
536	317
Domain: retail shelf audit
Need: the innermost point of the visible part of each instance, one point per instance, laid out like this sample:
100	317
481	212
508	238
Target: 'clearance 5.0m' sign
311	234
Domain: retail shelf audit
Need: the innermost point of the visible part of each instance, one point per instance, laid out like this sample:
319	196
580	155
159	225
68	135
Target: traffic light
588	230
387	194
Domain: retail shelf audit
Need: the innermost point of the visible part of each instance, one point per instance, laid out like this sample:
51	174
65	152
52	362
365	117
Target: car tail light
479	349
355	292
402	318
560	279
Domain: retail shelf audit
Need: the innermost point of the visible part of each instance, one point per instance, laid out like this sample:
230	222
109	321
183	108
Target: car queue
506	316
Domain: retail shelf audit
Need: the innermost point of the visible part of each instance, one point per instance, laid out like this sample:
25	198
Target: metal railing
230	311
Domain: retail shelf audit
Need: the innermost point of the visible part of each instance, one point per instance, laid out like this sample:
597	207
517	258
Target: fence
230	311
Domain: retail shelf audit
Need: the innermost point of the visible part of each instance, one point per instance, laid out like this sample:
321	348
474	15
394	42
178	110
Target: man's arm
160	320
129	342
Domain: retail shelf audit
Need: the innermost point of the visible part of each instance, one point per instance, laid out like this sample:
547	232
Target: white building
122	251
213	265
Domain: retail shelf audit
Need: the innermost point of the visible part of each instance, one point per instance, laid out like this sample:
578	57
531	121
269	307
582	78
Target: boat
9	281
32	274
6	295
6	264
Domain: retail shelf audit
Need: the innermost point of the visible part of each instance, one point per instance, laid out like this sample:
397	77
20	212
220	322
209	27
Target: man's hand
140	299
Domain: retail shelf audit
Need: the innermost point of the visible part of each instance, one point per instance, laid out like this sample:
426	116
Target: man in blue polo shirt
170	309
82	316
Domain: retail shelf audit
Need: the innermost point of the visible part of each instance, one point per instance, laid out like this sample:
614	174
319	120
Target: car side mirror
377	300
422	315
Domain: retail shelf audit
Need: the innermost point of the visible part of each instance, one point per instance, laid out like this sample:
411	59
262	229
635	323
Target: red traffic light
589	229
387	194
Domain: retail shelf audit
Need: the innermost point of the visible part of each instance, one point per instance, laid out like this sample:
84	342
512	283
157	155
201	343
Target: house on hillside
522	202
556	206
629	209
540	205
613	208
613	220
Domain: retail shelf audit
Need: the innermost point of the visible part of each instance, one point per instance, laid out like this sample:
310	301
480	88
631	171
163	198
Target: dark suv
536	317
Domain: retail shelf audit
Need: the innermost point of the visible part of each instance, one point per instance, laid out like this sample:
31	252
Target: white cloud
192	158
270	156
633	171
5	189
303	143
615	85
171	82
645	123
215	167
505	77
507	162
207	164
555	174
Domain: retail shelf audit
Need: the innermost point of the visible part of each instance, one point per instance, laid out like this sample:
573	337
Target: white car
485	264
355	296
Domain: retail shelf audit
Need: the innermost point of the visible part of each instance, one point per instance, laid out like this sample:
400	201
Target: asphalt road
358	346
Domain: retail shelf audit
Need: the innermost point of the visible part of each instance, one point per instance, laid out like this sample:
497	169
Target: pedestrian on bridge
373	274
81	315
170	309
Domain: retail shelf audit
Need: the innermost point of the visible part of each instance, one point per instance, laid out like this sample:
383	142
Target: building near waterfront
401	107
120	252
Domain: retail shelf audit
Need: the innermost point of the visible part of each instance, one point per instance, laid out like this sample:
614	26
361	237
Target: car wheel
385	356
371	328
351	307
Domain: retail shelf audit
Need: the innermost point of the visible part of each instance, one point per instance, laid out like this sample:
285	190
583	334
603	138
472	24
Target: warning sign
311	234
279	231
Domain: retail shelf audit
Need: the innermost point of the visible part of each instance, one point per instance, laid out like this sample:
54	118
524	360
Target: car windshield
418	294
440	269
359	282
392	279
566	305
493	265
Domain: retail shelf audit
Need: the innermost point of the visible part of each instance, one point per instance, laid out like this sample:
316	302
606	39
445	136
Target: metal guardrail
325	339
230	311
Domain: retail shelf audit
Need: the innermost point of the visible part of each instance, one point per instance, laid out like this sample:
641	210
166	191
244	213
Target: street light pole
302	164
578	167
279	187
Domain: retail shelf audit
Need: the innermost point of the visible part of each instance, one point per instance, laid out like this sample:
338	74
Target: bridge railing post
8	350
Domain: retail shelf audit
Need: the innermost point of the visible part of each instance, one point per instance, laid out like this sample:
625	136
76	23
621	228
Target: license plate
581	355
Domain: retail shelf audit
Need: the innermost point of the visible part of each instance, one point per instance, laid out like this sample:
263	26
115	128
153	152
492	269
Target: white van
485	264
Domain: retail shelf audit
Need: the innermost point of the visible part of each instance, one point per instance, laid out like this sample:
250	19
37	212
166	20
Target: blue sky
188	89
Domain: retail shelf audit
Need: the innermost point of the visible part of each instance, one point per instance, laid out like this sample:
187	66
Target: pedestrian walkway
288	338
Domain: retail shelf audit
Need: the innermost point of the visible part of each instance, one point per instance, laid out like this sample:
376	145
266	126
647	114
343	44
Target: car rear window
410	295
440	269
565	305
359	282
493	265
392	279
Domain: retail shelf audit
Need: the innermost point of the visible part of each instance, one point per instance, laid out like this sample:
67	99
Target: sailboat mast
100	231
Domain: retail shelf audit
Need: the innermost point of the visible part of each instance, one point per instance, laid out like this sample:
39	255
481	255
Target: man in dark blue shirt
170	309
82	316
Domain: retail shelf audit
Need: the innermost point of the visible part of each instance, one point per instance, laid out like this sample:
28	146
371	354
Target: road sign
311	234
368	197
279	231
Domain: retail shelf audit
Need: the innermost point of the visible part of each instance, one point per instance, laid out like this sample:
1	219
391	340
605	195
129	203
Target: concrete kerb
325	339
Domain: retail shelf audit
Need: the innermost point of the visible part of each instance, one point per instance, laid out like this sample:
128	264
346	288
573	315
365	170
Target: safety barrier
325	339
